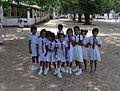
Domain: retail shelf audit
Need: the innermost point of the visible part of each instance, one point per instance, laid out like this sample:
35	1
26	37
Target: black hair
33	27
69	29
76	27
95	30
60	25
60	35
48	34
86	31
43	30
53	35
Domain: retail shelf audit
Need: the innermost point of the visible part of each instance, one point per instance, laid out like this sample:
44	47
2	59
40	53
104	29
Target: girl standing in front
69	40
50	52
2	32
85	48
95	43
41	44
77	53
33	47
62	53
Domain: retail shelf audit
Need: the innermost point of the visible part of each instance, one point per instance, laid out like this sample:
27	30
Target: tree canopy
86	7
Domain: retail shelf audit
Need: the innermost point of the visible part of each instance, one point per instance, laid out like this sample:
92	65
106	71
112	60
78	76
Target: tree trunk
87	19
108	16
74	17
80	18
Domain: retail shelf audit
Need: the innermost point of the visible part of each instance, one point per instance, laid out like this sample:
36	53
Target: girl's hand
79	43
98	45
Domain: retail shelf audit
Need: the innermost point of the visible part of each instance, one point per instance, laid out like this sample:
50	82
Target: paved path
15	62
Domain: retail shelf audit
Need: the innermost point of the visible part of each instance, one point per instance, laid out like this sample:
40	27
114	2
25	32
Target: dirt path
15	62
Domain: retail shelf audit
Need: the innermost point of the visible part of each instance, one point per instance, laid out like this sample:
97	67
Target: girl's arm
99	42
85	45
66	53
30	47
99	45
46	50
37	49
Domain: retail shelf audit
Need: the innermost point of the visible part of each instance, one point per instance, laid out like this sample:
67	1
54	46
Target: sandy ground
15	63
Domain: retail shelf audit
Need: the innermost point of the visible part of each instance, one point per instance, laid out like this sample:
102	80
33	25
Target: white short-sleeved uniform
21	23
33	39
61	50
70	51
95	53
77	53
50	57
85	49
60	32
42	48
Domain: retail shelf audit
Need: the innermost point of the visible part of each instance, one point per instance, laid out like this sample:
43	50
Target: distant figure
20	24
60	29
2	33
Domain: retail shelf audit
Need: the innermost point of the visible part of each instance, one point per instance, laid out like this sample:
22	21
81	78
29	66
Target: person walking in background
20	24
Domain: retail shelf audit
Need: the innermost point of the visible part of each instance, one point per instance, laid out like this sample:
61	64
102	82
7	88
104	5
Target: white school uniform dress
77	53
33	39
95	53
70	51
61	50
42	48
21	23
50	57
85	49
60	32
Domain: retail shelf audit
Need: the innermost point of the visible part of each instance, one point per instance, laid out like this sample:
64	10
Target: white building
31	14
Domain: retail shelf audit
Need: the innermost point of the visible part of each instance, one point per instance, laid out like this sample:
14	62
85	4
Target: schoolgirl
41	48
50	52
95	43
62	54
69	40
77	53
85	48
33	47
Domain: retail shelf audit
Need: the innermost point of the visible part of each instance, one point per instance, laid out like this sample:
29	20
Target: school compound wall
36	15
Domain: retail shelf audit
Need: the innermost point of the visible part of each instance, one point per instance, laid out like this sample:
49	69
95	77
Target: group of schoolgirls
62	50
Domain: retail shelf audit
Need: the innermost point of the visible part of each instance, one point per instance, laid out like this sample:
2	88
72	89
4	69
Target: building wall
36	17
